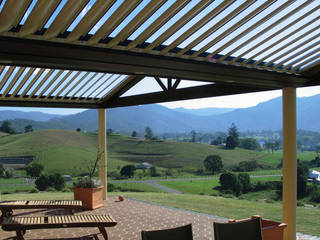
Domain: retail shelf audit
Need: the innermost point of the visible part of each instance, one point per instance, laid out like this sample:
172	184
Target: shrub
244	181
213	163
57	181
315	196
34	169
229	181
43	182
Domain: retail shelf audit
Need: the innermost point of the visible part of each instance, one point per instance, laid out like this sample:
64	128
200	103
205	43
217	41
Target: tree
43	182
231	142
193	136
153	172
128	171
213	163
233	131
229	181
148	134
78	129
28	128
134	134
57	181
34	169
249	143
6	127
244	181
302	178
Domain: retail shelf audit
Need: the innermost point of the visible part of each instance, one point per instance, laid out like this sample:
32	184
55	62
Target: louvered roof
89	53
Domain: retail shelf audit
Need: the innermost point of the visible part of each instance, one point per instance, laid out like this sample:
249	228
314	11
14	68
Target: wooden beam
213	90
35	53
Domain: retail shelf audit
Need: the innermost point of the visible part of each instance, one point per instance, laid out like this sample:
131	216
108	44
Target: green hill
68	151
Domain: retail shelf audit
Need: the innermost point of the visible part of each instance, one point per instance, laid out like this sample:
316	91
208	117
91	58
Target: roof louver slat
280	40
6	77
34	80
67	85
306	62
266	29
100	85
12	13
160	21
83	85
90	19
258	23
275	35
113	81
38	17
14	81
115	19
45	78
139	19
288	52
50	83
65	17
73	87
24	80
89	88
197	26
59	84
231	29
183	20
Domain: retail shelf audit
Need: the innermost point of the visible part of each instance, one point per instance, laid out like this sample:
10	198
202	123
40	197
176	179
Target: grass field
307	218
204	187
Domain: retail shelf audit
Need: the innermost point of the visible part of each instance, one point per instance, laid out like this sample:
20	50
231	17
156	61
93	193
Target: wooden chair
21	224
6	207
179	233
249	229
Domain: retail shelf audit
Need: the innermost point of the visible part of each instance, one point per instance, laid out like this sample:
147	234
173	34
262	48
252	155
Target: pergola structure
90	53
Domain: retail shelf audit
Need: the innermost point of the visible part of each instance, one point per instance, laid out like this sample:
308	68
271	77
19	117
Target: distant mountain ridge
204	111
264	116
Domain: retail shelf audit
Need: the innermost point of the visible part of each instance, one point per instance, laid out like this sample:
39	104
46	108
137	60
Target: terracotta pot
272	230
91	198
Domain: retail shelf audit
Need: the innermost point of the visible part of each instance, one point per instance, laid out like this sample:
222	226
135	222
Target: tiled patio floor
132	216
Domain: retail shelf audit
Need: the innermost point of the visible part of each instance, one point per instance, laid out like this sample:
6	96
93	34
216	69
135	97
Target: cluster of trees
45	181
129	171
6	128
233	140
235	184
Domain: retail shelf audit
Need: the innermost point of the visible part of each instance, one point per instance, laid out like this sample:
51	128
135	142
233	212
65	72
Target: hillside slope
68	151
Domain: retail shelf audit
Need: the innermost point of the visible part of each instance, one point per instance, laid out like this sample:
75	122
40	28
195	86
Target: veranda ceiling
87	53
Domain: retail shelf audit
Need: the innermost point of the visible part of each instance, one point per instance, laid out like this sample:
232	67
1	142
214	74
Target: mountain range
264	116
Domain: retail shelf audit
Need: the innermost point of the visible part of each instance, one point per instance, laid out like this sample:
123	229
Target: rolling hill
68	151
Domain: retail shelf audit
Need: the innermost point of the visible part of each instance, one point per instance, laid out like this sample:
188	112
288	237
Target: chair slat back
179	233
241	230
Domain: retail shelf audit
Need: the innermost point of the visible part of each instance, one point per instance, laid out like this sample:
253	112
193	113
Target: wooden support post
289	162
102	139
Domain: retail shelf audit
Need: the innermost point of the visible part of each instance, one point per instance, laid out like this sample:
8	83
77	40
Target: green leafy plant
88	181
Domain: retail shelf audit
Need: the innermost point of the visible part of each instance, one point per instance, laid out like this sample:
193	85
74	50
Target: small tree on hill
213	163
34	169
229	181
302	177
148	134
232	140
134	134
6	127
244	181
128	171
28	128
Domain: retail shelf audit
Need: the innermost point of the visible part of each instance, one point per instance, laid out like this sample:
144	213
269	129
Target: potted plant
89	190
